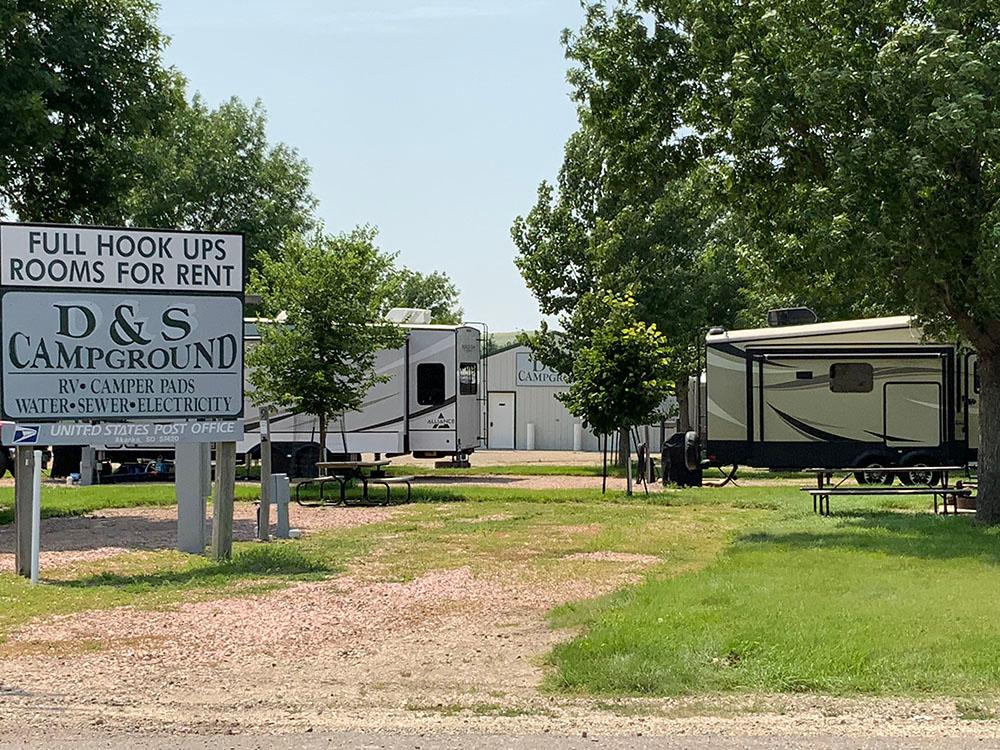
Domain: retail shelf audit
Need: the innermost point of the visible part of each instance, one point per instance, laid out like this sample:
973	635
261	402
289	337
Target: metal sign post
264	514
36	514
222	502
23	491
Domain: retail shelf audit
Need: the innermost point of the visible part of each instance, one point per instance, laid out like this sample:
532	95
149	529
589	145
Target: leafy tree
214	169
620	377
324	296
79	79
864	144
637	206
434	291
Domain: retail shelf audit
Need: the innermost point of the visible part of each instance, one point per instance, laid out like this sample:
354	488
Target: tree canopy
631	209
94	128
432	291
79	81
322	297
215	169
619	377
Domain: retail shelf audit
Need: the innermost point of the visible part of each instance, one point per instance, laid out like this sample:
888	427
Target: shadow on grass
279	562
902	534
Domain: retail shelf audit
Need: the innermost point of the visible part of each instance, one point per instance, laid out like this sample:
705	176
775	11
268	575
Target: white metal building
524	413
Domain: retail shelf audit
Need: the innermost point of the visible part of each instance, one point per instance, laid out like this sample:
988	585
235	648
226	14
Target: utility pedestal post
88	462
264	514
190	489
222	505
25	462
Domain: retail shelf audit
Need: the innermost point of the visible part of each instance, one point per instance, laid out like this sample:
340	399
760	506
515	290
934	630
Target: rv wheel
872	475
919	476
692	451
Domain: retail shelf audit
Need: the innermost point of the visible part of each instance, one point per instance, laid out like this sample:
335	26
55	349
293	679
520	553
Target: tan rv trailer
840	394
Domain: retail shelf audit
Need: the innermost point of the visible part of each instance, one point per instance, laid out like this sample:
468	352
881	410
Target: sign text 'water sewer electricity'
120	324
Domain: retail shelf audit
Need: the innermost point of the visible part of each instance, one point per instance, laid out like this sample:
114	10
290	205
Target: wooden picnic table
825	486
344	472
356	466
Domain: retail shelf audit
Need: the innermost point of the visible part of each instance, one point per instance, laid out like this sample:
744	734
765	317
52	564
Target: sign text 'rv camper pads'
120	324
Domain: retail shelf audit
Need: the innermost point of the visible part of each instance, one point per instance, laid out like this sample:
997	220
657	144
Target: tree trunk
627	437
322	438
624	448
683	393
604	474
988	497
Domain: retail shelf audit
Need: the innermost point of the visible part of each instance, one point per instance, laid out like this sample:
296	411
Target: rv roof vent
716	331
409	315
790	316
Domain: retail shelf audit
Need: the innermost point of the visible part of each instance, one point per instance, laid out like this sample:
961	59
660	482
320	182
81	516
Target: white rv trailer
847	393
428	406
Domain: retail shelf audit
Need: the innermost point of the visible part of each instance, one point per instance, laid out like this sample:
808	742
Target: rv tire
917	460
873	463
692	451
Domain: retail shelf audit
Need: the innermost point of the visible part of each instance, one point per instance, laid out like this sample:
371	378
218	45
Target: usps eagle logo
26	434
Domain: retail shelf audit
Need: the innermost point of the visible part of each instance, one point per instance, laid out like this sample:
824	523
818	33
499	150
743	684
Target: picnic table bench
825	487
343	473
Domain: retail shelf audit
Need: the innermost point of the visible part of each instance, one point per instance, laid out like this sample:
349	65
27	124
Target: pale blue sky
433	119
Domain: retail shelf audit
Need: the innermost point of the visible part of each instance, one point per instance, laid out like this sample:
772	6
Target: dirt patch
486	519
618	557
339	646
107	533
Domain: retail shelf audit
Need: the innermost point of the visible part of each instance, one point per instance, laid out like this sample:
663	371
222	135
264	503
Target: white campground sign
115	324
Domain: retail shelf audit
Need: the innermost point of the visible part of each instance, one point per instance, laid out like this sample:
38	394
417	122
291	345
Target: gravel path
106	533
382	741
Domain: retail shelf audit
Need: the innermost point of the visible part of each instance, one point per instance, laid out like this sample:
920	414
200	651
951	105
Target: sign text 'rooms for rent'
84	339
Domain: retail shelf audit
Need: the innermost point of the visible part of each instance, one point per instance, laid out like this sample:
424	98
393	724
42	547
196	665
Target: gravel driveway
388	660
382	741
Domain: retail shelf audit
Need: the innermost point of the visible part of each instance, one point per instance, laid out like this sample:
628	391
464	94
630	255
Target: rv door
913	415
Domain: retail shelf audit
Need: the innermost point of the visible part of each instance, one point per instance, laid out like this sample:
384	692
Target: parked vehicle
865	393
140	471
428	406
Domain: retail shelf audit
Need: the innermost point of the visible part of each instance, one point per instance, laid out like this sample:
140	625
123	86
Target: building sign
120	434
114	324
532	373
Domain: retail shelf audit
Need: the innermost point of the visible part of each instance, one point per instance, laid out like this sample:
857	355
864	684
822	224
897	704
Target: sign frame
138	291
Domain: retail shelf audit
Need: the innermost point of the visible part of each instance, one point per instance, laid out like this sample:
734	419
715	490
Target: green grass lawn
873	600
752	592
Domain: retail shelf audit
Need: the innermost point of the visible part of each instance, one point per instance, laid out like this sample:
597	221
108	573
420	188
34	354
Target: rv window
975	376
468	379
430	384
851	377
